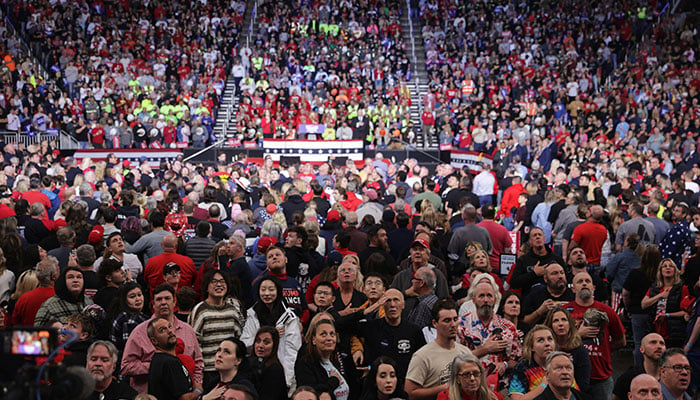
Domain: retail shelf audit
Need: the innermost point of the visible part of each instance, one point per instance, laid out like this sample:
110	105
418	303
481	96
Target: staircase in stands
225	127
411	35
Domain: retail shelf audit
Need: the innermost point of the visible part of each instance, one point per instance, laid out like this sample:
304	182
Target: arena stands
557	251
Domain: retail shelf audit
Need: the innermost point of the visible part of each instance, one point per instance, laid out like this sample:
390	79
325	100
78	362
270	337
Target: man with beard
653	346
390	336
675	374
578	262
378	244
599	339
419	256
102	358
167	377
491	337
529	269
541	299
139	349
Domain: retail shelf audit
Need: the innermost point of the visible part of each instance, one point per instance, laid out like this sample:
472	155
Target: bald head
597	212
394	293
644	387
169	243
653	346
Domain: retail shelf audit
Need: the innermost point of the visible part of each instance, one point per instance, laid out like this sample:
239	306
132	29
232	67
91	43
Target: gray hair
427	275
554	354
272	229
111	348
47	270
351	218
36	209
86	255
240	240
105	197
84	189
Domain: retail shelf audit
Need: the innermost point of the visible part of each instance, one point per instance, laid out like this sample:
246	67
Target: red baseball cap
265	242
421	242
97	234
333	215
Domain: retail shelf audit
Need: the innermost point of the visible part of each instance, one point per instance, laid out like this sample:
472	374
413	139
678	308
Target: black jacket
310	372
524	277
549	395
291	204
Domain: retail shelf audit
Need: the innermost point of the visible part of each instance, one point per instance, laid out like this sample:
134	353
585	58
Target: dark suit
360	127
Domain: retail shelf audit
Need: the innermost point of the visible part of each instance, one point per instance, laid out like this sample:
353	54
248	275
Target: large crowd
340	64
371	280
123	74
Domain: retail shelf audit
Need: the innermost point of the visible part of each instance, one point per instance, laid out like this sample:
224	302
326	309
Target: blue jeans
486	200
509	223
601	389
640	327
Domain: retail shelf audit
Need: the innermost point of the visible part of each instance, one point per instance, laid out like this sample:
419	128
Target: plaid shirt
421	314
122	326
55	308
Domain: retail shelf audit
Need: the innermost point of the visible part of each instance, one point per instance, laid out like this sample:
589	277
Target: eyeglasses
468	375
218	282
680	368
324	292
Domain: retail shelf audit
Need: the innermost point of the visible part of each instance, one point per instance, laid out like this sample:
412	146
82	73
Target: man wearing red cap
420	254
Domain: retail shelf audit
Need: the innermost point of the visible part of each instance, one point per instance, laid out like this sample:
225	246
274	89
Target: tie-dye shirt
526	377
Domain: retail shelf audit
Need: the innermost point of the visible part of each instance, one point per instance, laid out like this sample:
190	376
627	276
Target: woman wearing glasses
218	317
468	381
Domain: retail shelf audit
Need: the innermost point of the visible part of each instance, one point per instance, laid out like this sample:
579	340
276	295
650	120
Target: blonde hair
26	282
359	279
100	168
529	341
660	278
475	245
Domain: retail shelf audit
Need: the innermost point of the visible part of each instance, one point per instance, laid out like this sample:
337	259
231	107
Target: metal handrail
204	149
412	147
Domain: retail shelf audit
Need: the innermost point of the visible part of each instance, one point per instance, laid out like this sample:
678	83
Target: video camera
27	353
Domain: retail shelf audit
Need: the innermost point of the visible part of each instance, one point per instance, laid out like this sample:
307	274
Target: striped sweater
212	324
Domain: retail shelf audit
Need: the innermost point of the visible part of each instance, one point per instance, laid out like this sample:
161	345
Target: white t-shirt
132	265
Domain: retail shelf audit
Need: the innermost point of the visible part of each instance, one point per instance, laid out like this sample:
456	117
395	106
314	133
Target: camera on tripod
29	350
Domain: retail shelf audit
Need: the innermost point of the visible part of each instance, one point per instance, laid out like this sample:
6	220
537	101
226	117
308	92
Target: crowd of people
380	280
563	72
340	64
121	74
374	280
